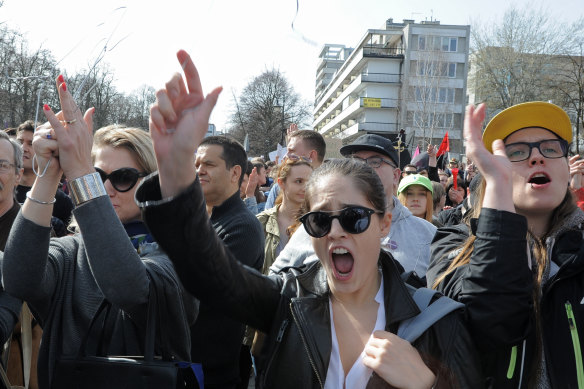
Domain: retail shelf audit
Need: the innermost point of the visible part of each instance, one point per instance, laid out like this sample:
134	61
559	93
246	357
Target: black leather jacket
497	285
293	306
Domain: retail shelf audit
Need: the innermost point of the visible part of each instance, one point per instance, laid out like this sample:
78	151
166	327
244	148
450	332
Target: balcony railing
389	52
381	77
378	127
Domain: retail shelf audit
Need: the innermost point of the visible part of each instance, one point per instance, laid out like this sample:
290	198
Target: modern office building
408	75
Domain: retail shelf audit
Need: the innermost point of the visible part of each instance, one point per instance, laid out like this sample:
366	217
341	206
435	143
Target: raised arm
178	123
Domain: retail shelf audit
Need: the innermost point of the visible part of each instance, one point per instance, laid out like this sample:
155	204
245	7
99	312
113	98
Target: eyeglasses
354	220
375	162
122	179
5	166
294	157
549	148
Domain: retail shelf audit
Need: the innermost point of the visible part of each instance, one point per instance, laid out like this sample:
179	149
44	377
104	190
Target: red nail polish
46	107
61	78
64	87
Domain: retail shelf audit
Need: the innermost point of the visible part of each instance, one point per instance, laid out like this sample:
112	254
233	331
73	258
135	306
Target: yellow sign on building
371	102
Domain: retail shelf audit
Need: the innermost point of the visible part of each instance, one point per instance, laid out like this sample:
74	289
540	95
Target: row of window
435	95
442	43
436	69
433	119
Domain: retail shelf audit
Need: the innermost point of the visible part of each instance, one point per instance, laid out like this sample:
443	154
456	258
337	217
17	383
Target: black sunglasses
354	220
122	179
549	148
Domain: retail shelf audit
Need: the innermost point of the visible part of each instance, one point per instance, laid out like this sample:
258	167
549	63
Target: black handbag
100	371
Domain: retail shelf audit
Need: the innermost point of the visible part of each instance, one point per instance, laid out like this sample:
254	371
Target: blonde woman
415	193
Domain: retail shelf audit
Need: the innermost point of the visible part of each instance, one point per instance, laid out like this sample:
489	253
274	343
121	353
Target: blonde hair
402	196
137	141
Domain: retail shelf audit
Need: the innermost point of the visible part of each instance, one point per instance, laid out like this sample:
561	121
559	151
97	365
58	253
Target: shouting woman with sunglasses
521	272
113	258
331	324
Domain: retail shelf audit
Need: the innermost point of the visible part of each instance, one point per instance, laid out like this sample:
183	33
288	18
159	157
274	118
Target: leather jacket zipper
576	344
306	348
274	352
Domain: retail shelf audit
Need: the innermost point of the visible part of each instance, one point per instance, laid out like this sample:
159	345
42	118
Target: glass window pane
445	44
451	70
453	44
451	94
442	95
422	43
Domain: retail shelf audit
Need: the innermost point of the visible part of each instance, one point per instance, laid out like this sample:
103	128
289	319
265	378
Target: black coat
292	307
497	285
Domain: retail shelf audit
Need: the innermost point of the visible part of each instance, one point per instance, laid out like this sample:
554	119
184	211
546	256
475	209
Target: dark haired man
216	339
63	204
304	144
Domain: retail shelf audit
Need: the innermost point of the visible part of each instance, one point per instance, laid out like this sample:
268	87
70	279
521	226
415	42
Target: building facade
409	76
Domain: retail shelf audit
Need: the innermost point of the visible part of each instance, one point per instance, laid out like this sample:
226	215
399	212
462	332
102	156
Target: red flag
444	146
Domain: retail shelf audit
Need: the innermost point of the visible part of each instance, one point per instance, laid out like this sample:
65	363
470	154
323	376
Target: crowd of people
302	273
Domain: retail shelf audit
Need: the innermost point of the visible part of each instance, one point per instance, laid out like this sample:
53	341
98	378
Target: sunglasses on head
354	220
294	157
122	179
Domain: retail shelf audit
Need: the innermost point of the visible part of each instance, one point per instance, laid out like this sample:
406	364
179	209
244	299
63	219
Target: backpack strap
412	328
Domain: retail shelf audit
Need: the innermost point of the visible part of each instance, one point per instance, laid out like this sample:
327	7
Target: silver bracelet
85	188
28	196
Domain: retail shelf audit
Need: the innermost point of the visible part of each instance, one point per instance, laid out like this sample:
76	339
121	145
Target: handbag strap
150	323
26	337
105	305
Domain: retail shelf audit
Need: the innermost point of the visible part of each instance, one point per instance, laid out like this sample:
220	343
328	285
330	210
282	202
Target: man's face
25	139
262	177
10	178
218	182
298	147
388	174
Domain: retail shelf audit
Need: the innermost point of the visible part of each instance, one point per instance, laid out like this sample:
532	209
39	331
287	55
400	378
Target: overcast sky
231	41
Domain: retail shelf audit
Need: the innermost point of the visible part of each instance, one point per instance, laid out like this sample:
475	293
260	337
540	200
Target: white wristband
86	188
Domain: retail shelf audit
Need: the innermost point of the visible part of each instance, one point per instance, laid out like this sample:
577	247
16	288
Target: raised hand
178	123
495	168
73	133
396	361
576	171
252	183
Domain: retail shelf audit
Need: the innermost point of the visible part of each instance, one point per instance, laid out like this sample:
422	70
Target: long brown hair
402	196
541	261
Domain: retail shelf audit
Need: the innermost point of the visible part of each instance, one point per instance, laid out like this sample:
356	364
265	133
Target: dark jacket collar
227	206
399	304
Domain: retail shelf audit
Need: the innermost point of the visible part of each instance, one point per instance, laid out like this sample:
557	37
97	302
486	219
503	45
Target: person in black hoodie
520	272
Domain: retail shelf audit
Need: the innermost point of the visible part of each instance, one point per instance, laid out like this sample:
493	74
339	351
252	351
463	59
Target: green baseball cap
415	179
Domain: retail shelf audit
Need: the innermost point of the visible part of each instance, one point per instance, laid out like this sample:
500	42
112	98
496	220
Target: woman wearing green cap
521	271
415	192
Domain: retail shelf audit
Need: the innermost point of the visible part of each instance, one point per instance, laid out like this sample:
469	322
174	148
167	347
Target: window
449	44
451	70
421	42
442	95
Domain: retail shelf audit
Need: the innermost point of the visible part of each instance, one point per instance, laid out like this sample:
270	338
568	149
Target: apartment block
408	75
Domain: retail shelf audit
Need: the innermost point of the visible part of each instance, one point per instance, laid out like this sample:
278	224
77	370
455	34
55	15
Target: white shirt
359	374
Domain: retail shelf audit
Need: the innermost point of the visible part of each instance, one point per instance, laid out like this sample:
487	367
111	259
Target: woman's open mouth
342	263
539	180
